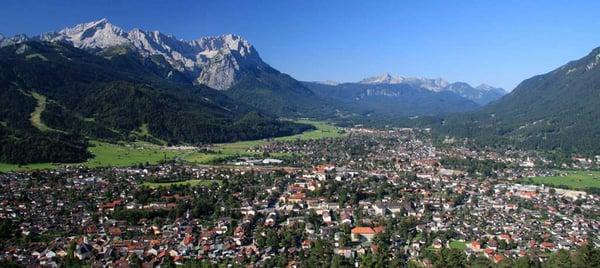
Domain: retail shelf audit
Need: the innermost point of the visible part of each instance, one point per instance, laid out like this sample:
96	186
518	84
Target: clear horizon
499	44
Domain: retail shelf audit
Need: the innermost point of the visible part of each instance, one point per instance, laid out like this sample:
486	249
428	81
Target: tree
560	259
319	255
135	261
450	258
168	263
587	256
524	262
6	229
480	262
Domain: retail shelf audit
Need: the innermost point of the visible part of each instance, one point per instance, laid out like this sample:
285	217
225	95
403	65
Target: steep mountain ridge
216	61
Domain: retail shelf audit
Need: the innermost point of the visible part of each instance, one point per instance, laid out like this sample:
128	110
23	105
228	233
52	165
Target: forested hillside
553	111
88	96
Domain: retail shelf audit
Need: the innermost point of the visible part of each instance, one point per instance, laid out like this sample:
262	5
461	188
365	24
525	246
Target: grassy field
323	130
107	154
122	155
453	244
4	167
180	183
458	244
575	179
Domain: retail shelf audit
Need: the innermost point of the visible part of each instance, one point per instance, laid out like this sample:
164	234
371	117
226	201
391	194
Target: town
372	198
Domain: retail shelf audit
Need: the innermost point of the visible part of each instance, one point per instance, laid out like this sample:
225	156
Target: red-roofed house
365	233
476	246
547	245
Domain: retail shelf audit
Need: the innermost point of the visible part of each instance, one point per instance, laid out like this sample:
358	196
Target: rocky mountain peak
482	95
91	35
426	83
384	78
215	61
7	41
485	87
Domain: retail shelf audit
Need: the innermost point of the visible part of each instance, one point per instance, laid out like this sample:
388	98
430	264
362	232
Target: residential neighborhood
372	198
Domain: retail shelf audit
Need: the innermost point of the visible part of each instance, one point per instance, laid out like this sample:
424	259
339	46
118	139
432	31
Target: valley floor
129	154
376	198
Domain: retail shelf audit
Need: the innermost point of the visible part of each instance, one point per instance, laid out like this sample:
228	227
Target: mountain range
227	62
54	97
230	63
97	81
215	61
482	94
398	96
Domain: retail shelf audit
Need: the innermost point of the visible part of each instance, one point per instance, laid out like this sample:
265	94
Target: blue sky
496	42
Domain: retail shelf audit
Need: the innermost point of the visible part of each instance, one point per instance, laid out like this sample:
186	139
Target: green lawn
179	183
574	179
123	155
458	244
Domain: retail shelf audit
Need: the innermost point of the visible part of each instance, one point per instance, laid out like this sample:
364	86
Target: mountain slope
93	96
557	110
280	94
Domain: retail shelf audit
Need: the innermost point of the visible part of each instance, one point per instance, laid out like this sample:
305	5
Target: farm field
579	179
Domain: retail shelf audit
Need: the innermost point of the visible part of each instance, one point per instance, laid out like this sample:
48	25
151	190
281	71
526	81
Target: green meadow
108	154
574	179
129	154
458	244
123	155
191	183
224	150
